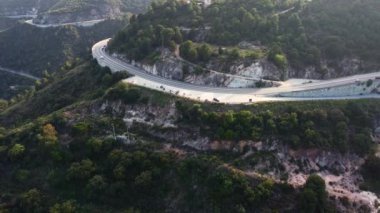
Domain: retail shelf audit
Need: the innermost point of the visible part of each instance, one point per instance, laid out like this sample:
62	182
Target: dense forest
295	33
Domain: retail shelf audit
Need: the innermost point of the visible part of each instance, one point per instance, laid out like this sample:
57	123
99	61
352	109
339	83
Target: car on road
102	57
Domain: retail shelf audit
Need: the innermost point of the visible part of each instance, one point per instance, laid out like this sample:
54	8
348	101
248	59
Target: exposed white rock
172	68
255	70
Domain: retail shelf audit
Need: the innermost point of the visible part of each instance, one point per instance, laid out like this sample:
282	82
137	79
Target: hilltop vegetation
296	34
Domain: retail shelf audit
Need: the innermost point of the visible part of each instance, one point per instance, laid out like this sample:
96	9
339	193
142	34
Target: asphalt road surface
226	95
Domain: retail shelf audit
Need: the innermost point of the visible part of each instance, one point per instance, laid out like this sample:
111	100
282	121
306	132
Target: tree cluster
343	130
117	177
301	32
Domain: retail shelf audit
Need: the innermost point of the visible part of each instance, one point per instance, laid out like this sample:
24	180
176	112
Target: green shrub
81	170
314	195
69	206
369	82
81	129
22	175
125	93
16	151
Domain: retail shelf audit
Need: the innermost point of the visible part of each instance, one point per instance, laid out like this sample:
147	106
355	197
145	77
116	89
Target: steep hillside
269	39
135	149
79	145
42	51
36	50
49	97
11	85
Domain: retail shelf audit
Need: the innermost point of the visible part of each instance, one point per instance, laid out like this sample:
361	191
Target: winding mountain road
225	95
23	74
89	23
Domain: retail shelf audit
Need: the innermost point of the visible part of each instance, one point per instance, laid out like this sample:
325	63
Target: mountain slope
64	133
117	140
35	50
42	51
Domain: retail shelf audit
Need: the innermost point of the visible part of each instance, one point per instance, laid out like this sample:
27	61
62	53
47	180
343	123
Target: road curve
227	95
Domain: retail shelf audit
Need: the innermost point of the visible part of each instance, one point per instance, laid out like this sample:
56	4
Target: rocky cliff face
334	69
329	69
238	74
257	69
247	73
